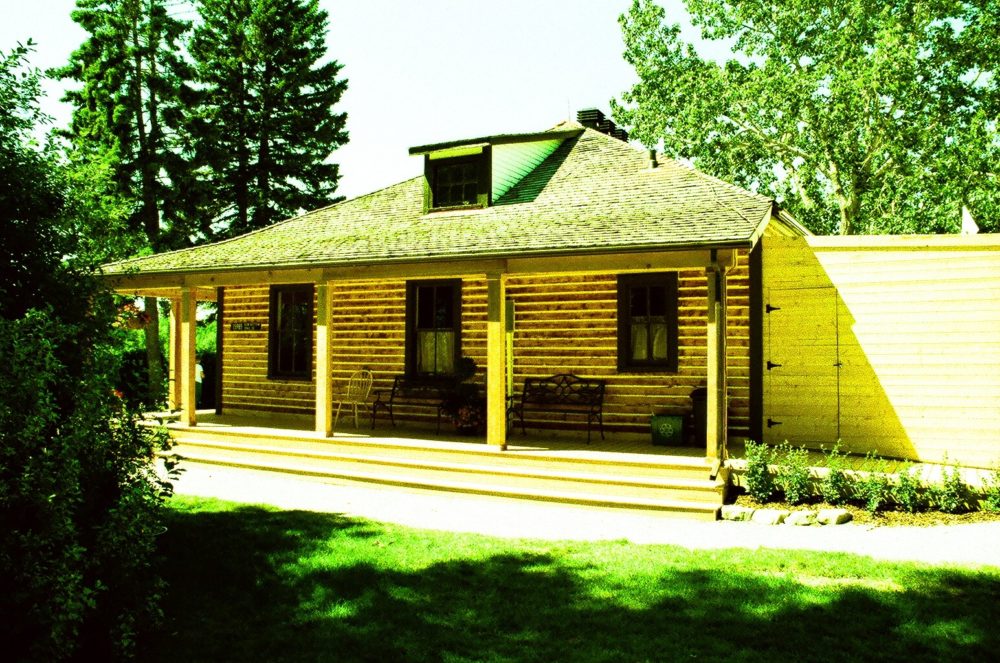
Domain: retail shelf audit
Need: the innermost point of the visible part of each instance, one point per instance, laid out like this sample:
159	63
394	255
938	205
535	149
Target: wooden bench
564	393
431	392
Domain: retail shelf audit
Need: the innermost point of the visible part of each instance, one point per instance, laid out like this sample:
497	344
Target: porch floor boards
618	472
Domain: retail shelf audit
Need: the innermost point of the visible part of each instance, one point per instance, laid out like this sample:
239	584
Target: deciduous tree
79	498
861	117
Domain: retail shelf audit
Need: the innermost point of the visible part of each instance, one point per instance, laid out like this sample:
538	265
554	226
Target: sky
423	71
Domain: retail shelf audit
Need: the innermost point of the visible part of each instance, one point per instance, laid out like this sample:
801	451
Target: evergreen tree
127	114
264	125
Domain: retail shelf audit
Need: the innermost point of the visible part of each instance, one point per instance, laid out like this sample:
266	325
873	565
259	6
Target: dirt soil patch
882	518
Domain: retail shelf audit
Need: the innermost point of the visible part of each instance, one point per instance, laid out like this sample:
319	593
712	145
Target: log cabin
534	254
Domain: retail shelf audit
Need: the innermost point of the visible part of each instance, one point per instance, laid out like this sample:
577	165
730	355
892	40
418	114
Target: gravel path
971	544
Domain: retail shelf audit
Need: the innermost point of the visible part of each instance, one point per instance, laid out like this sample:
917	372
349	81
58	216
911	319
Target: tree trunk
262	209
154	357
849	207
242	184
150	210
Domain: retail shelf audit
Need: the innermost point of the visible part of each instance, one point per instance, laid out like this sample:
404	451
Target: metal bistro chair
358	388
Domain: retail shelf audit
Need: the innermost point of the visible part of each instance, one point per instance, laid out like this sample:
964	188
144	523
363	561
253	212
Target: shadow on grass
257	585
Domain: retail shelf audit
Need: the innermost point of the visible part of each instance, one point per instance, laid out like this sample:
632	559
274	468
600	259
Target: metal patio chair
358	389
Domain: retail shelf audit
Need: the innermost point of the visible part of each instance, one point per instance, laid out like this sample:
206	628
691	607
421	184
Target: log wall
245	385
563	324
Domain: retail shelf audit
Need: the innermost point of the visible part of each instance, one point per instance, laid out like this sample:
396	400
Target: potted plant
465	404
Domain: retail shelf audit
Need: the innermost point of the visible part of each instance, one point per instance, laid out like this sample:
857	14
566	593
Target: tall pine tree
127	113
264	123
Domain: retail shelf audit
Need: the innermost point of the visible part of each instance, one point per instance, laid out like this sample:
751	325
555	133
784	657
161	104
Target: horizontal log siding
245	385
369	331
563	325
918	337
569	325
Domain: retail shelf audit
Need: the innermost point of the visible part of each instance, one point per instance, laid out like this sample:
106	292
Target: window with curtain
434	327
647	322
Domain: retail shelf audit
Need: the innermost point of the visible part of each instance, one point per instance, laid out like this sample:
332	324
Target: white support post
496	359
717	405
324	388
174	396
188	314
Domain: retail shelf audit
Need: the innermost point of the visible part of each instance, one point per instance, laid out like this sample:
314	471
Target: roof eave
738	243
502	139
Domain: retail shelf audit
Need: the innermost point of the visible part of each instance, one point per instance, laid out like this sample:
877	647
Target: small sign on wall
245	326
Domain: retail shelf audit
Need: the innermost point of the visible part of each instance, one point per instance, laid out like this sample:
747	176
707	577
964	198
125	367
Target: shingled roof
594	194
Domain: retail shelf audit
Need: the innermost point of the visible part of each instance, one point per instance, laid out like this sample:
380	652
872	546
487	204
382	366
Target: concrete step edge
665	482
574	497
680	463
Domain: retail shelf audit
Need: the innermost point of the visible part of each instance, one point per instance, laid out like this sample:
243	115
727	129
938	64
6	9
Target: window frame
626	282
483	162
274	332
410	360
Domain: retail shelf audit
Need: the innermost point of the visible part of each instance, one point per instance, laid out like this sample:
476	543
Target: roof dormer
474	173
458	178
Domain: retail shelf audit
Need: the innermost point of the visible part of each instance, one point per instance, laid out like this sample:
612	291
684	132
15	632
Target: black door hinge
771	423
771	364
769	308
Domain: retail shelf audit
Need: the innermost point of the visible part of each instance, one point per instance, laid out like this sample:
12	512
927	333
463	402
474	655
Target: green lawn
255	584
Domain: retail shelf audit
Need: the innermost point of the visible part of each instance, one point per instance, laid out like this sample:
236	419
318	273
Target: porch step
307	443
481	472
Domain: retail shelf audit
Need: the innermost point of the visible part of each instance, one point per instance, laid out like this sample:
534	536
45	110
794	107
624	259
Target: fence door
801	366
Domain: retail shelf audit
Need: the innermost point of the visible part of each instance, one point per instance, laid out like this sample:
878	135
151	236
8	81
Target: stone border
802	517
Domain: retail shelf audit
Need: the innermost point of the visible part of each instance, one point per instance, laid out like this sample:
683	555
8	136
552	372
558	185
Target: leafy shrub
873	487
80	500
835	487
952	494
991	491
906	490
793	474
760	481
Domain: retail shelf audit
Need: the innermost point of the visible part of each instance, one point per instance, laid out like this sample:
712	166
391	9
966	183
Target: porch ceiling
169	285
164	290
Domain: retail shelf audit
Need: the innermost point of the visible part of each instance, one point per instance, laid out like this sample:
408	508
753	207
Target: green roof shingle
593	194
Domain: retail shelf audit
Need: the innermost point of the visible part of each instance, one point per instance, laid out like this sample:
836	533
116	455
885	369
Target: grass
256	584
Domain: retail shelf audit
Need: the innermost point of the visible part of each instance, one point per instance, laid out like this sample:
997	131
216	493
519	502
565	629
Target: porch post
174	397
188	313
717	405
324	393
496	359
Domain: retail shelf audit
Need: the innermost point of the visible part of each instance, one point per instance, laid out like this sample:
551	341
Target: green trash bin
667	430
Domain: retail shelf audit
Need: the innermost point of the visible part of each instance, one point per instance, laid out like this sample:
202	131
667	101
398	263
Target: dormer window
474	173
456	181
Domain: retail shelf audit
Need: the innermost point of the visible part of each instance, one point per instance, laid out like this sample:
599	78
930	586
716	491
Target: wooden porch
486	331
623	471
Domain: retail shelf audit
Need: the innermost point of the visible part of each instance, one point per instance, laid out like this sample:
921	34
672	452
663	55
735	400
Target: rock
769	516
803	518
733	512
834	516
